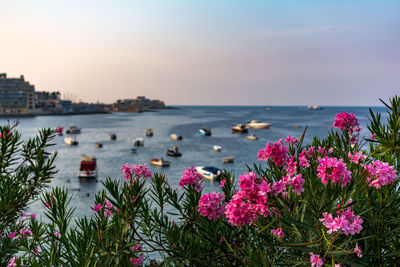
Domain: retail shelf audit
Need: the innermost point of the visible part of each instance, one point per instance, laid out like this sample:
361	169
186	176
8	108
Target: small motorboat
88	167
205	131
138	142
174	152
99	145
113	137
133	150
252	137
229	159
175	136
73	129
217	148
70	141
160	162
210	173
314	107
258	124
240	128
149	132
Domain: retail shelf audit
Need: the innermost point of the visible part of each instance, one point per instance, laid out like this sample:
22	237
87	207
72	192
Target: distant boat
175	136
258	124
88	167
210	173
138	142
99	145
73	129
240	128
70	141
252	137
229	159
205	131
133	150
160	162
314	107
217	148
113	137
149	132
174	152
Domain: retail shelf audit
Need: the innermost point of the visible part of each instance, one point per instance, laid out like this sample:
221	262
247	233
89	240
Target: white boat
175	136
73	129
217	148
205	131
70	141
258	124
210	173
138	142
252	137
88	167
149	132
314	107
160	162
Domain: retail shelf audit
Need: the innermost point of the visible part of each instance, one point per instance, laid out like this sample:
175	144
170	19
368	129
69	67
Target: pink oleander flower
352	140
316	260
239	212
380	174
11	235
210	205
372	137
277	152
346	122
249	184
109	210
1	234
135	171
137	261
345	221
278	232
291	140
36	249
33	216
12	262
97	207
278	187
136	248
356	157
310	151
191	177
297	183
334	170
57	234
303	159
358	251
60	130
291	166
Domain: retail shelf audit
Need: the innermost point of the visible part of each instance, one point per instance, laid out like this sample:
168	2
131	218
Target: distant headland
19	98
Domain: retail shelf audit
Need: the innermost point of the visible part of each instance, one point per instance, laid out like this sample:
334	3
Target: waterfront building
17	96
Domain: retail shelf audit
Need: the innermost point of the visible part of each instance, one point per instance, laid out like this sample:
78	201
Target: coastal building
17	96
48	102
139	104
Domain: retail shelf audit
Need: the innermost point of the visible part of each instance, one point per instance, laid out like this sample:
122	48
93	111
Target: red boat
88	168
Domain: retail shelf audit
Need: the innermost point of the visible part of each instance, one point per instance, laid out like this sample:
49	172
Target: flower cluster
334	170
277	152
210	205
137	261
380	174
346	221
135	171
316	260
278	232
291	140
191	177
356	157
250	201
347	122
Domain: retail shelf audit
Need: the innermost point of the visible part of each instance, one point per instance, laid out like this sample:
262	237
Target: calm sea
196	150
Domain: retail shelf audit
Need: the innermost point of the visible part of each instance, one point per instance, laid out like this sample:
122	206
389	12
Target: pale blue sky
206	52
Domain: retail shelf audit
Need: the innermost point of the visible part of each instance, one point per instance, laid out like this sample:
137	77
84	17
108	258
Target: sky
222	52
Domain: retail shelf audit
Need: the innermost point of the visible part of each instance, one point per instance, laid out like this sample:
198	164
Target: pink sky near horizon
205	53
